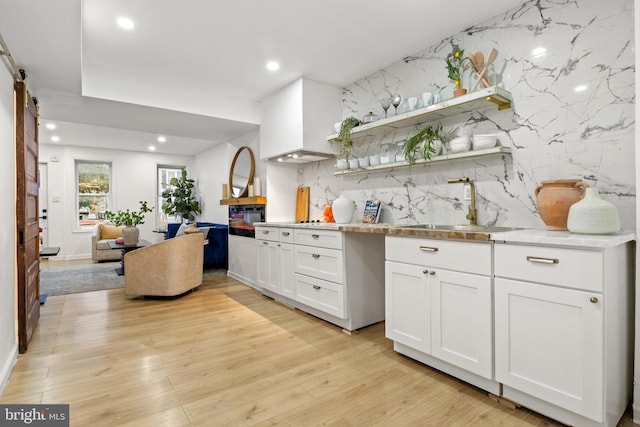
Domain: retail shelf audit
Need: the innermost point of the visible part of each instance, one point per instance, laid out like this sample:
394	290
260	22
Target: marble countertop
525	235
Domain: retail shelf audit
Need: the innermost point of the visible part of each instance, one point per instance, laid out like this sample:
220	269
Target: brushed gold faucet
472	215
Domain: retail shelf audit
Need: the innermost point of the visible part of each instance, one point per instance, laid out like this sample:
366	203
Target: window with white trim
165	173
93	191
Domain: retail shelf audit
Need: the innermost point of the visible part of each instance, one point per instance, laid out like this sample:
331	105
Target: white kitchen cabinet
407	305
275	260
562	330
439	305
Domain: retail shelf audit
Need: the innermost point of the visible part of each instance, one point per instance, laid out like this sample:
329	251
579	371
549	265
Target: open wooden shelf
257	200
421	162
491	97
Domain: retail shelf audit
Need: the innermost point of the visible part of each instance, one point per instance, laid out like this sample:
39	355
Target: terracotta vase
459	92
554	198
130	235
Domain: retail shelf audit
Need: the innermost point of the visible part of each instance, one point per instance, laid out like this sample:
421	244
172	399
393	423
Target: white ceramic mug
426	98
412	102
436	98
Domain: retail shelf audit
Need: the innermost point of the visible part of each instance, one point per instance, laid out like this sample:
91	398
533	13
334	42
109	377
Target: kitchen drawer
452	255
320	294
322	263
320	238
571	268
267	233
285	235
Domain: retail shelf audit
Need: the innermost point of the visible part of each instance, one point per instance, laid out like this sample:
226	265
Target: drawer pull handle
433	273
265	243
593	300
315	255
316	287
428	249
265	232
285	233
425	271
315	236
543	260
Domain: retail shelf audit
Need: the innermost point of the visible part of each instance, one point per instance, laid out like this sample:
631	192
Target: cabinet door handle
543	260
425	271
316	287
265	243
278	244
315	255
593	300
265	232
315	236
285	233
433	273
428	249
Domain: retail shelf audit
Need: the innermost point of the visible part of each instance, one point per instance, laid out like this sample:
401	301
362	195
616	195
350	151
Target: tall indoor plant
129	219
180	199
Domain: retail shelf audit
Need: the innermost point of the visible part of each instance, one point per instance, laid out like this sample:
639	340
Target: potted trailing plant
344	137
180	200
455	64
130	219
424	141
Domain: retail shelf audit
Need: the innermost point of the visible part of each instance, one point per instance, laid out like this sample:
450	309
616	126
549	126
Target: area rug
80	278
90	277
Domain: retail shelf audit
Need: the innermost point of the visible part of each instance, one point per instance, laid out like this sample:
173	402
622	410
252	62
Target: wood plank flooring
225	355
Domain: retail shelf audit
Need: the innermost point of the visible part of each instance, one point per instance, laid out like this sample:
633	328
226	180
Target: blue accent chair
216	251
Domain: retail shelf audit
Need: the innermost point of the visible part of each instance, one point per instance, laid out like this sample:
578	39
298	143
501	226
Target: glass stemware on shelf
395	101
386	103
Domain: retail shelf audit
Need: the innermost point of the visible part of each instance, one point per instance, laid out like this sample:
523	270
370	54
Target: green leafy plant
426	136
344	136
180	198
128	218
455	64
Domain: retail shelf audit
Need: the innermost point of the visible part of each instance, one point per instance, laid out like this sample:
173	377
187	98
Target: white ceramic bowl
337	126
460	144
484	141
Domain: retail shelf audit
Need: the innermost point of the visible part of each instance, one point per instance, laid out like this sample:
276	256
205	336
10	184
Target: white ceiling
195	71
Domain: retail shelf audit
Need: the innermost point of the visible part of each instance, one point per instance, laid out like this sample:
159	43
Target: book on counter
372	209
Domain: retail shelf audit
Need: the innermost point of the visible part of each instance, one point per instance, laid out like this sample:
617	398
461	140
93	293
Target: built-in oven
242	218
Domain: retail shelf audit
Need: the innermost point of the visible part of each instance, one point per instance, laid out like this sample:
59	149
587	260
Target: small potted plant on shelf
455	64
344	139
424	143
180	199
130	219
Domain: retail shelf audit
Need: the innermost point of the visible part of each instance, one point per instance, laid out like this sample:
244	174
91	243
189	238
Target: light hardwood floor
225	355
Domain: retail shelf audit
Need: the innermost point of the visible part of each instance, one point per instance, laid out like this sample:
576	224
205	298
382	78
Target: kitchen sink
463	227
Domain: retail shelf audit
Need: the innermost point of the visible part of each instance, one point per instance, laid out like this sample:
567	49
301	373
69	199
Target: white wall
133	179
211	170
636	378
8	344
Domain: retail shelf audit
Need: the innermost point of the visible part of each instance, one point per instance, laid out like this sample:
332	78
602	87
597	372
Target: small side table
126	248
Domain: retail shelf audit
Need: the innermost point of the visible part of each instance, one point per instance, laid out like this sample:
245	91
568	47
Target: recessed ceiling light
55	138
162	139
125	23
152	148
51	126
539	51
580	88
273	66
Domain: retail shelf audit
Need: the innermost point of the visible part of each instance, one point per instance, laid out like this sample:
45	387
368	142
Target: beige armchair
168	268
100	250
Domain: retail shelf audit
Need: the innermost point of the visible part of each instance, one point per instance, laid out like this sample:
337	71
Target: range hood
301	156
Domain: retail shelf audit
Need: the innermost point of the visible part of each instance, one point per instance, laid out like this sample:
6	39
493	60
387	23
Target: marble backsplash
554	131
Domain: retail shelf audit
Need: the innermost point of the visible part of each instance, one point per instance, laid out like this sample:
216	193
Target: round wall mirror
241	172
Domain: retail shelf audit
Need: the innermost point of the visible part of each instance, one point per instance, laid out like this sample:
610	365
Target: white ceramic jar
593	215
342	209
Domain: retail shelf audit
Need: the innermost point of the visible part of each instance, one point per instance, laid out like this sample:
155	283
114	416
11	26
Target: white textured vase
342	209
130	235
593	215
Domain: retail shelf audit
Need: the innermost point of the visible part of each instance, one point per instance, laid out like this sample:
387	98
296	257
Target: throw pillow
181	229
110	231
